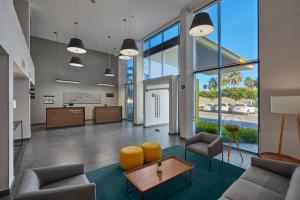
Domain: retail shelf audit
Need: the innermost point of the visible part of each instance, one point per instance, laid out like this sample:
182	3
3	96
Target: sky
239	32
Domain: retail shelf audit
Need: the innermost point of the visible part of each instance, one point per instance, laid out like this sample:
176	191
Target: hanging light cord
56	32
76	16
129	17
108	51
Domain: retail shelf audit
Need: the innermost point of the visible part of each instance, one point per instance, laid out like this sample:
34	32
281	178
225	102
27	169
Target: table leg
238	146
229	149
190	176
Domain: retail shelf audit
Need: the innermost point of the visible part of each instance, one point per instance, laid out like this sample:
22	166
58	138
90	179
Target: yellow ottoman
131	157
152	151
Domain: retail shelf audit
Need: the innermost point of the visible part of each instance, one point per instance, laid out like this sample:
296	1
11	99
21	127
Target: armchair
205	144
56	183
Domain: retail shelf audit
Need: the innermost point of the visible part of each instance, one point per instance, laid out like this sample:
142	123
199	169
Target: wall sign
109	94
49	99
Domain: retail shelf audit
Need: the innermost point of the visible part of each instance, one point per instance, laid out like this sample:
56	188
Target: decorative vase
159	168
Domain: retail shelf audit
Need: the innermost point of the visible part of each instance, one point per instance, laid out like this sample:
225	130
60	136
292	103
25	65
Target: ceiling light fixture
57	64
76	45
105	84
76	62
129	47
121	56
201	25
108	71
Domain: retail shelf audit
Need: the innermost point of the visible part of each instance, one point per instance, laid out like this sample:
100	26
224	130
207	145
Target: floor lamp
284	105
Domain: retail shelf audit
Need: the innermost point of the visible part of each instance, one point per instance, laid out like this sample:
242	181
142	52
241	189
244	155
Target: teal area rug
206	185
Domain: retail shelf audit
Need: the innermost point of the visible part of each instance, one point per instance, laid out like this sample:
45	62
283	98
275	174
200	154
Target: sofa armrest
216	147
48	175
193	140
278	167
80	192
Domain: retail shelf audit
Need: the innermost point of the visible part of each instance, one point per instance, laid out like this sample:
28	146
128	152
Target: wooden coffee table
146	177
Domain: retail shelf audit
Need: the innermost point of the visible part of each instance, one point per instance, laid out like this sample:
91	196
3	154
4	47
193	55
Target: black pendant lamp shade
76	62
129	48
108	72
76	46
123	57
201	25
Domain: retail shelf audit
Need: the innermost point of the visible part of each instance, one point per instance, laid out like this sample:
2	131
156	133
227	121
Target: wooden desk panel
107	114
65	117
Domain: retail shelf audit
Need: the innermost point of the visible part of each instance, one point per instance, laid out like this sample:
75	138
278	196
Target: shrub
245	135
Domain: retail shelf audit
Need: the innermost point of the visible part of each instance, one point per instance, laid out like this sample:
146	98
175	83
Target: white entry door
157	107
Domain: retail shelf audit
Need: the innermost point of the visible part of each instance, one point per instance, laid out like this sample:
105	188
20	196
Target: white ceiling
103	18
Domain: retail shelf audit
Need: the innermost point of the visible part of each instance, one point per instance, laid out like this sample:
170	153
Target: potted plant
159	167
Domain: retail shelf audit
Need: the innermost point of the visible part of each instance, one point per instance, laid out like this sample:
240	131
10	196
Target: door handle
158	110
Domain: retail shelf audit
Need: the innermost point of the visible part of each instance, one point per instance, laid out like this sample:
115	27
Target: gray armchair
56	183
205	144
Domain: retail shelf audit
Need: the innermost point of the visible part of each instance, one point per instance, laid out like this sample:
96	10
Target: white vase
159	168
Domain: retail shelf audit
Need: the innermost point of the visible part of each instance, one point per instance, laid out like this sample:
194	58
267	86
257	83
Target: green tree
224	80
212	84
235	78
237	94
212	95
249	83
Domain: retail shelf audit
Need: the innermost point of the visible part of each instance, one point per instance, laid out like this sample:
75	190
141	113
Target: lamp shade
201	25
76	46
285	104
15	104
76	62
129	48
123	57
108	72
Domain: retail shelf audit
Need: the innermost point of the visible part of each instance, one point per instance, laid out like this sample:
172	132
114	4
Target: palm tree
249	83
224	80
212	84
235	78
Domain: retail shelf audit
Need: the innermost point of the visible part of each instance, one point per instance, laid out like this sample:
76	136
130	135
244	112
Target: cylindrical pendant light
76	62
201	25
129	47
108	71
76	44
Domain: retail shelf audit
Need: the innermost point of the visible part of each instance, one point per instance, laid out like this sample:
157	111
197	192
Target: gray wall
22	8
43	53
279	70
22	110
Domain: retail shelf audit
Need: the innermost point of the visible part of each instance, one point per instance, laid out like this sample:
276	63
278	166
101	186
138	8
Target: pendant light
108	71
201	25
129	47
121	56
76	62
76	45
57	64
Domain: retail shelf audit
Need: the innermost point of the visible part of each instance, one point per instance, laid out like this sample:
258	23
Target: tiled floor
94	145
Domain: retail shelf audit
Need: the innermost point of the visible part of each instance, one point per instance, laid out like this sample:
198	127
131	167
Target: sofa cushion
266	179
246	190
199	148
294	188
75	180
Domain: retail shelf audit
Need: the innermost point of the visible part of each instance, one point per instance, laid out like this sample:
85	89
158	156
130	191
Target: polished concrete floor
94	145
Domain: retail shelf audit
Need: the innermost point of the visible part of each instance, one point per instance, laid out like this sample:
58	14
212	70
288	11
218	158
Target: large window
227	73
161	53
129	88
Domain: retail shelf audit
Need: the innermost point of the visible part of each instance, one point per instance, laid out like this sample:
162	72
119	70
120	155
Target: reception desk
65	117
107	114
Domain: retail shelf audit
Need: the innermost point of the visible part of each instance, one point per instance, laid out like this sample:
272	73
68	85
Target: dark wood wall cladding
107	114
65	117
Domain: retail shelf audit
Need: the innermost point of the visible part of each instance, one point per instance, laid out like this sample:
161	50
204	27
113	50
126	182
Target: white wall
13	40
279	70
44	56
22	8
22	111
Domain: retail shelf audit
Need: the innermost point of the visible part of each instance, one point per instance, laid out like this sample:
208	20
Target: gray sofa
266	180
56	183
205	144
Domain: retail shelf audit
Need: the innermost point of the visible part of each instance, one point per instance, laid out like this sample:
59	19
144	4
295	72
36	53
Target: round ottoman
152	151
131	157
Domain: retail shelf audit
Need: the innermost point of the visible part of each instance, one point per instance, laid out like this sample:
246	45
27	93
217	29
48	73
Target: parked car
244	108
224	107
209	107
